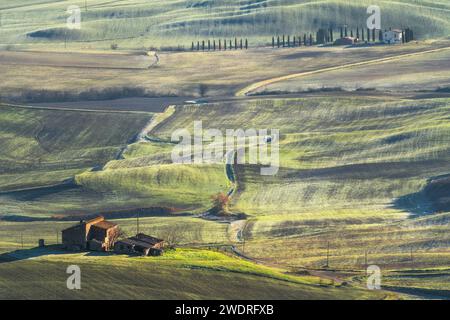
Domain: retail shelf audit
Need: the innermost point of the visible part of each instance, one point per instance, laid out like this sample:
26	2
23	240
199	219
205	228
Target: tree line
225	44
322	36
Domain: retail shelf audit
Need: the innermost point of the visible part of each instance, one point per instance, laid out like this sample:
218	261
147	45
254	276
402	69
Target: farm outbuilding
95	234
393	36
345	41
141	244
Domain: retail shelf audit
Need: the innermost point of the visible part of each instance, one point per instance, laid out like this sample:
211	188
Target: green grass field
139	24
180	274
357	172
363	173
44	147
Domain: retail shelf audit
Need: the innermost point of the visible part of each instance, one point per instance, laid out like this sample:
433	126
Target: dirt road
255	86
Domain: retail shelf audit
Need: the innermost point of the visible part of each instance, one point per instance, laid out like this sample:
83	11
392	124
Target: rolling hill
138	23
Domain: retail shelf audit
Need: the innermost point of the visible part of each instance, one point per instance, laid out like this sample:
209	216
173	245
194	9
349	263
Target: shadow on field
433	198
25	254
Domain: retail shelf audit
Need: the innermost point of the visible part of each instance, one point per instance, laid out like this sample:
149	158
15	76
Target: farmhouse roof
105	225
99	222
95	220
148	239
134	242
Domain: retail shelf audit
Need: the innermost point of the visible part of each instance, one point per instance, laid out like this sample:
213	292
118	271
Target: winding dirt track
257	85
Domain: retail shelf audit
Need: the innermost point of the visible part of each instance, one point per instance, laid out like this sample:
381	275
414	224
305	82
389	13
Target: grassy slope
178	186
41	147
44	147
427	72
27	73
184	274
344	161
137	23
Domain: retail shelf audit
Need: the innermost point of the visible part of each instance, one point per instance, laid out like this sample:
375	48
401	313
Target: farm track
73	109
258	85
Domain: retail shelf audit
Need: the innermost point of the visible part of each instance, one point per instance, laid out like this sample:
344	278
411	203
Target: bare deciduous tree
175	234
113	236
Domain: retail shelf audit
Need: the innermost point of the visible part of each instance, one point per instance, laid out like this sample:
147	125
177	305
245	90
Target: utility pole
365	258
137	222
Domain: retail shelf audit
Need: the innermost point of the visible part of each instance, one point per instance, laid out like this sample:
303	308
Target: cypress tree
346	31
235	43
214	45
357	32
331	35
278	41
368	35
362	34
342	33
192	48
225	44
380	36
203	45
198	45
310	39
284	42
304	40
246	43
240	43
231	45
373	35
209	44
220	44
273	42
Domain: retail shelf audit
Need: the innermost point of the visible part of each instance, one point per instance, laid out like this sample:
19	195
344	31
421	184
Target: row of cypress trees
294	41
322	36
213	45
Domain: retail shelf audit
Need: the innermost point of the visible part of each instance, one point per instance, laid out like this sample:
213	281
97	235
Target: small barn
394	36
96	235
141	244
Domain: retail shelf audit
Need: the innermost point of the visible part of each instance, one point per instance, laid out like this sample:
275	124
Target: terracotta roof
134	242
149	239
96	219
104	224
